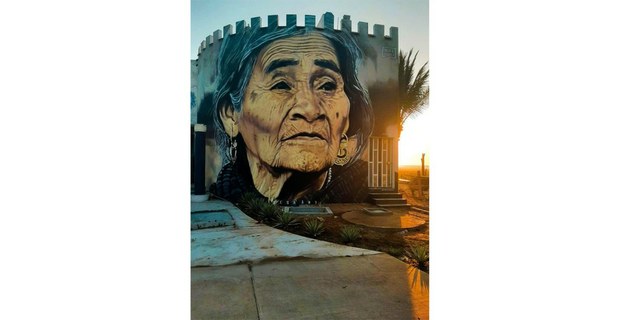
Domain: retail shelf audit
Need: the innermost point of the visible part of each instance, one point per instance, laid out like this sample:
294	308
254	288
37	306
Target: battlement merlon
272	22
240	27
291	20
326	22
394	33
255	23
345	23
227	32
310	22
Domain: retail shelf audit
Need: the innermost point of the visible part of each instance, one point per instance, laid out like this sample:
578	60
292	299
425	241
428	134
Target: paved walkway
245	270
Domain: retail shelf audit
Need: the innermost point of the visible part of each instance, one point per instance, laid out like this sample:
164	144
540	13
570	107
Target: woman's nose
306	106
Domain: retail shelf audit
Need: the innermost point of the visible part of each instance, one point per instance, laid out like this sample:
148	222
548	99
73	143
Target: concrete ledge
252	242
200	197
211	219
309	210
377	211
388	221
215	247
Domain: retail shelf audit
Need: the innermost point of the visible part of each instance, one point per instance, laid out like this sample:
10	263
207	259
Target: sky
411	18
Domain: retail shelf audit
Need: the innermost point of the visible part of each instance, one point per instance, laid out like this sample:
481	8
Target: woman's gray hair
236	60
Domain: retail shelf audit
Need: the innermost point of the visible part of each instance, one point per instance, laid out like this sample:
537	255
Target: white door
380	163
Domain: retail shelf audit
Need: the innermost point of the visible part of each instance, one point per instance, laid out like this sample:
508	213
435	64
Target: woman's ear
229	118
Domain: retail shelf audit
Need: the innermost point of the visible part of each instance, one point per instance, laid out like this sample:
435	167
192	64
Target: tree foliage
412	86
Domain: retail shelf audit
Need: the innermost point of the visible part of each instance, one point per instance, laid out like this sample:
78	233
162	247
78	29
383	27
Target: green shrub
251	204
245	201
255	207
350	233
286	220
313	227
269	212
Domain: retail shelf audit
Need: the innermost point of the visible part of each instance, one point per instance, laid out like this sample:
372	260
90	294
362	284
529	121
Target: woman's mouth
305	136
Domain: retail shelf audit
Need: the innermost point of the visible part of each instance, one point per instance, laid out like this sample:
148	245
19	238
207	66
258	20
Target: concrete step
394	205
385	195
419	209
390	201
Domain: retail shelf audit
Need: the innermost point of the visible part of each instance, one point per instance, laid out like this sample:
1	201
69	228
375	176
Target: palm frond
413	86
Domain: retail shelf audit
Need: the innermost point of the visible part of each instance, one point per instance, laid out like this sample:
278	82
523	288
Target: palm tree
412	87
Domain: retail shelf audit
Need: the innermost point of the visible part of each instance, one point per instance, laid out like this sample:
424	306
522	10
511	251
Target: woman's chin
304	163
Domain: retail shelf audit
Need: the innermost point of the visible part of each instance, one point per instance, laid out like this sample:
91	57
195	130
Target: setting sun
415	140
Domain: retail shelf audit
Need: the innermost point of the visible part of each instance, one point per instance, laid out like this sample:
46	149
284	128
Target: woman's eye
281	86
328	86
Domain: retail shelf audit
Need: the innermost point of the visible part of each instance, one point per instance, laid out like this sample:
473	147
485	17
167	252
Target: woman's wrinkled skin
293	114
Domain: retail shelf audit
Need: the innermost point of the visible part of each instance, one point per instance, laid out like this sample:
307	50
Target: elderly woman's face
294	108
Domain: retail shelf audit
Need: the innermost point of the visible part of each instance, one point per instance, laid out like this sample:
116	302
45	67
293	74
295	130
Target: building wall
379	73
194	86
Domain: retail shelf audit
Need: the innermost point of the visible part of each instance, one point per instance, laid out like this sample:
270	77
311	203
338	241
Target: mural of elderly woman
292	118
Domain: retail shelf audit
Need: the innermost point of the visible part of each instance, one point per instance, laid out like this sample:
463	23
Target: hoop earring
232	150
343	157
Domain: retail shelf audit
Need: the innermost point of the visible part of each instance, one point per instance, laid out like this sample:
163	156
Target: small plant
251	204
285	220
350	233
269	212
313	227
254	207
418	257
245	201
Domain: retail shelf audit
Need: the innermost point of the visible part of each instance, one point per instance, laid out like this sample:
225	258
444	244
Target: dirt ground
391	241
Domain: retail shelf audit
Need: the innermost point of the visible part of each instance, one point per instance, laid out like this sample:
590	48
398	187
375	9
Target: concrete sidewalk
245	270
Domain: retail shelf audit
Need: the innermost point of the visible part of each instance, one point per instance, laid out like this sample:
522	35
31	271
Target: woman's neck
271	183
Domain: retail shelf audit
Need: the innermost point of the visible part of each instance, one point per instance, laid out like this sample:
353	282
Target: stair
389	200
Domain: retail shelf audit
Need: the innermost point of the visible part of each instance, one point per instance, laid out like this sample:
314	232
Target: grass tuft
313	227
350	233
269	212
285	220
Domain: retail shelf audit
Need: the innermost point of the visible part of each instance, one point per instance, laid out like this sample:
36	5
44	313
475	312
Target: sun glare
414	140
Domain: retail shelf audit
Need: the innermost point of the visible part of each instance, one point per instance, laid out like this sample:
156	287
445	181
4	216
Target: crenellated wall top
309	21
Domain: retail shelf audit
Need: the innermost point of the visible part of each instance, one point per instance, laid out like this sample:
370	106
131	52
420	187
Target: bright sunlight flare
415	140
